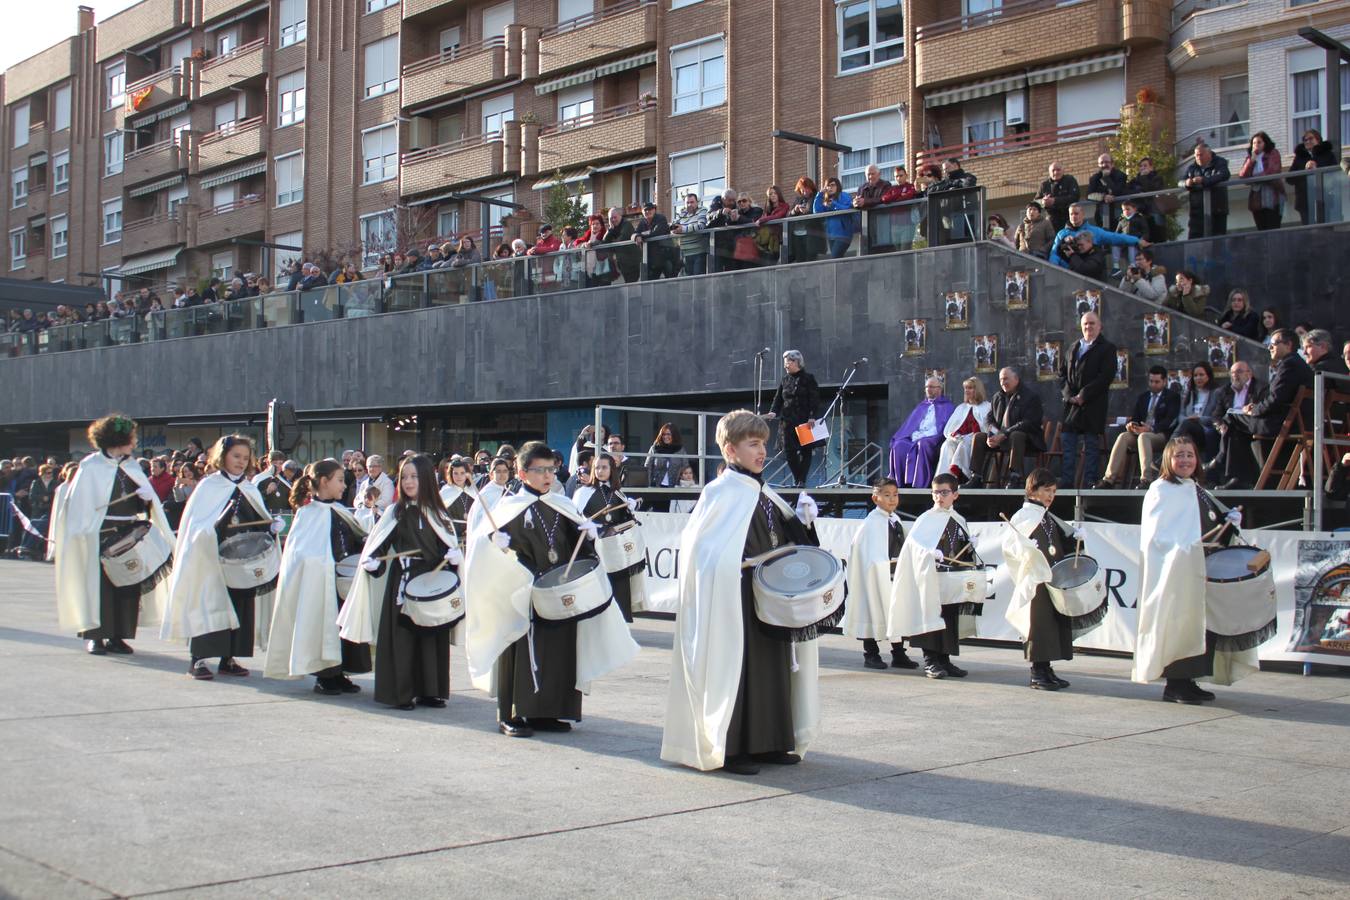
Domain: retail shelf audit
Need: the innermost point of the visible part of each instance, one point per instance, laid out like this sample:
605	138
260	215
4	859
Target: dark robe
603	498
410	661
947	640
231	642
1051	635
1202	665
459	515
532	534
119	608
278	502
345	541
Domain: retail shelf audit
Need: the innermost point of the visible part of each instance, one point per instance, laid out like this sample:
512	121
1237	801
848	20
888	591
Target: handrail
151	79
988	17
1179	191
475	140
151	148
235	53
37	188
453	54
596	118
36	126
1026	140
156	219
591	18
229	207
1191	139
230	129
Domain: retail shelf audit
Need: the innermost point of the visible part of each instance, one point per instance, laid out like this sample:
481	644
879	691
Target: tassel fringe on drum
1081	625
1236	643
809	633
161	575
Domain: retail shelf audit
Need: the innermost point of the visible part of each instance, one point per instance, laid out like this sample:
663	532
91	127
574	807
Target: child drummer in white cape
740	695
536	668
871	567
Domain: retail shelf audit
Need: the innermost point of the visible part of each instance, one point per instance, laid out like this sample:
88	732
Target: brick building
178	138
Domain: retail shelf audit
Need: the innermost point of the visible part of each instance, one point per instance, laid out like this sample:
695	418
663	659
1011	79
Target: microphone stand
759	379
837	407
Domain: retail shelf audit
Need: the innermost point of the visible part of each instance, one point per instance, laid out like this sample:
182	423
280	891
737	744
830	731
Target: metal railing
229	129
591	18
1026	140
1321	440
451	147
595	118
1221	136
235	53
988	17
453	54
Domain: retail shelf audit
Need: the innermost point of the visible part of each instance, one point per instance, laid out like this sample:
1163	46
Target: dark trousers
945	642
1092	451
1204	436
1193	666
1208	226
230	642
696	264
1239	450
871	648
798	457
1267	219
1015	446
119	612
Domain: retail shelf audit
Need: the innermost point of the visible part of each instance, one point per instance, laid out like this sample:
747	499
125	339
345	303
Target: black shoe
433	702
95	648
777	758
1180	692
1015	480
230	667
117	645
974	484
549	724
327	688
515	728
1041	680
1197	690
406	707
347	686
1104	485
740	765
900	660
934	670
200	671
953	669
1059	681
873	661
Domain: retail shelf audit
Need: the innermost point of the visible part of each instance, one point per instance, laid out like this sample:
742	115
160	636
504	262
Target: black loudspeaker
283	429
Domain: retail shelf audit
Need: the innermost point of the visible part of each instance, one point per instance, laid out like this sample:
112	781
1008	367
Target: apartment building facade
184	138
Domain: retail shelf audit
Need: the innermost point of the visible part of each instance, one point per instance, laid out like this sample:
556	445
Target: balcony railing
999	13
228	220
599	135
453	54
609	12
240	64
459	162
230	143
455	71
1226	135
1027	140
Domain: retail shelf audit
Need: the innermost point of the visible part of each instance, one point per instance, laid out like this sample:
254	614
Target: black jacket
798	398
1323	156
1092	377
1114	183
958	180
1090	265
1248	324
1024	414
1329	363
1164	414
1214	175
1256	392
1065	191
1287	376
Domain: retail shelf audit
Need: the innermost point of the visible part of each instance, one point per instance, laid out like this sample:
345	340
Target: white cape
497	593
637	582
199	602
916	594
706	660
304	633
77	521
1028	568
489	495
869	579
54	521
956	450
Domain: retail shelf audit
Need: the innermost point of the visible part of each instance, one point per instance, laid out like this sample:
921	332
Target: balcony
37	200
621	28
459	162
153	233
620	131
213	8
413	8
1013	165
37	138
155	161
163	87
455	71
231	144
231	220
1016	34
233	69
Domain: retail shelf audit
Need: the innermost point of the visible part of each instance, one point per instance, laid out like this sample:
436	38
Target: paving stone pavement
121	776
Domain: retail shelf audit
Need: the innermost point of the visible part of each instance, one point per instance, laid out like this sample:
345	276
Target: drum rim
1074	558
1248	576
143	526
590	563
836	566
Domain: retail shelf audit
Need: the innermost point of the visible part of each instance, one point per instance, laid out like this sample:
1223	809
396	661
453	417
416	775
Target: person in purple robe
915	446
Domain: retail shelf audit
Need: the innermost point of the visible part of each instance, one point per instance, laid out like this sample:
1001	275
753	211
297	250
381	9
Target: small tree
1142	135
561	208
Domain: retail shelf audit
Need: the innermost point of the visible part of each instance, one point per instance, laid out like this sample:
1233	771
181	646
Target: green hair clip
123	425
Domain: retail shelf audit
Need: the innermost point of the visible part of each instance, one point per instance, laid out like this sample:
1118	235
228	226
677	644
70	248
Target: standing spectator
894	229
997	228
467	254
957	215
1204	178
1086	369
653	229
620	231
1311	153
1057	194
1145	279
796	402
1187	295
741	250
693	246
1148	181
1132	221
1105	186
805	237
838	229
722	214
1266	201
545	242
871	191
769	238
1239	317
161	479
1036	233
665	462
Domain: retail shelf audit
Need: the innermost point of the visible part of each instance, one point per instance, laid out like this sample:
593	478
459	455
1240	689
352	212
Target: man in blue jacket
1100	236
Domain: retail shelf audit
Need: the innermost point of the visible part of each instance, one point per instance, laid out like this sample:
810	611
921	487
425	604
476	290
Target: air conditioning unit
421	133
1015	107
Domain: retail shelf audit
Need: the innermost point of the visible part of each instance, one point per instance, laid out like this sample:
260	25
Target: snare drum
250	560
801	588
621	548
965	588
1240	600
433	598
136	556
347	567
583	591
1076	586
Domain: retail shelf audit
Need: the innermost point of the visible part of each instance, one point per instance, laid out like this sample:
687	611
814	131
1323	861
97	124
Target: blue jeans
1092	451
839	246
696	264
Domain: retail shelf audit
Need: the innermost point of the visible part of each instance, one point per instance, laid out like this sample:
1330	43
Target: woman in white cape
601	501
968	419
304	636
218	620
108	496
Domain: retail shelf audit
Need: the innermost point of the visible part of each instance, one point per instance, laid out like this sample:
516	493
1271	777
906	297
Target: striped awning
159	116
38	221
570	177
151	262
964	92
1049	74
628	162
574	78
142	190
236	174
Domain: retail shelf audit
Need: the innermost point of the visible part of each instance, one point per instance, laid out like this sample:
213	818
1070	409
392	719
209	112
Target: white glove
632	503
1079	534
146	494
1234	516
454	557
278	523
501	539
807	509
937	554
370	564
590	529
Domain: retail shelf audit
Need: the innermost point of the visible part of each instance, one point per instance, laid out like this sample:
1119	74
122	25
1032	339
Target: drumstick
118	500
608	509
1218	529
398	555
575	550
766	556
250	524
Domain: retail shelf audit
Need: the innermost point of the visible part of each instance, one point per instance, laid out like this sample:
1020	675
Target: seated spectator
1085	257
693	246
1151	424
1100	237
1036	233
1187	295
1266	201
1013	426
1237	465
1201	412
161	479
1105	185
1239	317
996	228
915	445
653	227
1311	153
838	229
963	427
1317	352
871	191
1144	278
1270	320
1205	174
1058	192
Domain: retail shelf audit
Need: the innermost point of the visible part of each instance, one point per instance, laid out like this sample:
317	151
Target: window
676	4
449	42
497	111
377	236
290	99
178	51
178	128
447	222
982	120
699	75
1234	111
21	123
646	186
18	248
382	66
60	236
576	103
224	195
1083	97
574	9
225	115
115	83
379	150
61	108
114	145
290	175
1307	89
291	15
871	32
283	257
701	172
60	172
175	198
227	41
112	221
876	138
496	19
497	213
222	265
376	5
18	180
